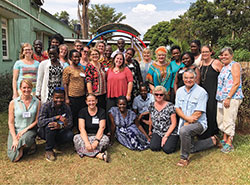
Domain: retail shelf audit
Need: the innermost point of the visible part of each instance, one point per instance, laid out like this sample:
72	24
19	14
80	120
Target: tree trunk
83	16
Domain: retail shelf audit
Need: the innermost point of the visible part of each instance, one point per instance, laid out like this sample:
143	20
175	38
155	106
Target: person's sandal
218	142
183	162
105	156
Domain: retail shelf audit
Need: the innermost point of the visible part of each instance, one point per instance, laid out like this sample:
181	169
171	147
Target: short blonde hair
160	88
28	82
147	50
21	55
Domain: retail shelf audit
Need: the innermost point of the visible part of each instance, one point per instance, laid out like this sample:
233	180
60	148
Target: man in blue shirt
190	104
141	104
55	123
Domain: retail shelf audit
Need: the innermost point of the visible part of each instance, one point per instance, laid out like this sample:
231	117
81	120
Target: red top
117	83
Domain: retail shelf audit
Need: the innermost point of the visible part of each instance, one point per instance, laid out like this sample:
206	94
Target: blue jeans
58	136
188	145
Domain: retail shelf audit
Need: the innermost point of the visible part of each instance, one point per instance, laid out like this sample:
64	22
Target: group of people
102	96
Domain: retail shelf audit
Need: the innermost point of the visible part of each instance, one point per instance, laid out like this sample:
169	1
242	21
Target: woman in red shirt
119	82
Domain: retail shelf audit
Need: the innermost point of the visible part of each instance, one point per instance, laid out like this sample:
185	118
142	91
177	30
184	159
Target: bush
241	55
5	91
244	110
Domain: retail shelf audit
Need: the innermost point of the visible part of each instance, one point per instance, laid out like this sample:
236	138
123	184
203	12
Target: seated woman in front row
91	141
163	119
125	125
23	116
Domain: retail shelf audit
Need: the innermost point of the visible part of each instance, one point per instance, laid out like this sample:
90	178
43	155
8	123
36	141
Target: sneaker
222	142
50	156
183	162
227	148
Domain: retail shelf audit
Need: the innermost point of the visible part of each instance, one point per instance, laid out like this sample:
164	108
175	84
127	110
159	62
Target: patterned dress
127	132
161	120
55	79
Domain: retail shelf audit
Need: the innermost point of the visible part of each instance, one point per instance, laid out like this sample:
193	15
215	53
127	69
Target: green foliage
158	35
100	15
242	55
5	91
64	16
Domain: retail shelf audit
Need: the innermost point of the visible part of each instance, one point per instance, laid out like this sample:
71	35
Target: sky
140	14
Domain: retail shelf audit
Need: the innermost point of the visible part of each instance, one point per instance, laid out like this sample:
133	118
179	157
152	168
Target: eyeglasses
156	94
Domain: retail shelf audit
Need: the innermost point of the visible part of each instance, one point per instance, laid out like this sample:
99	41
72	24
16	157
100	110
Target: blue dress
127	132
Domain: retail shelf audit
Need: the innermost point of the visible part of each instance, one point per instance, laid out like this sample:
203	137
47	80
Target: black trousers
169	147
76	104
111	102
58	136
101	101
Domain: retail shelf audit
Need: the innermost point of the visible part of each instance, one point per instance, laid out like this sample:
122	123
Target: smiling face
27	51
186	60
194	48
85	52
129	55
118	61
58	99
26	89
94	56
91	101
38	46
55	42
143	92
101	47
226	58
161	57
108	51
78	46
63	51
146	55
121	45
53	55
205	53
176	54
75	58
189	79
122	105
159	96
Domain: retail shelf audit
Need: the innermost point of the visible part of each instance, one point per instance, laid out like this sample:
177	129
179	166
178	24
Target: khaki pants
226	117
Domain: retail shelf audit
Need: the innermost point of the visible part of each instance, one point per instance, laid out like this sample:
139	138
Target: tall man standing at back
190	104
120	45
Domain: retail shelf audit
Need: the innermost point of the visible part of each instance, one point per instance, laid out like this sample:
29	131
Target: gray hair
190	71
229	49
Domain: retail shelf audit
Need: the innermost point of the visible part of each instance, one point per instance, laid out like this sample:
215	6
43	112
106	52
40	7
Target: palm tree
83	16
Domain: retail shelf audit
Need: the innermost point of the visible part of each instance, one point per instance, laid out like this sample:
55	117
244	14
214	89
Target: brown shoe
50	156
183	162
218	143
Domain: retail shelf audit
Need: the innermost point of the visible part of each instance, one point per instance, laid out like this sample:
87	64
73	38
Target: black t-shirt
92	122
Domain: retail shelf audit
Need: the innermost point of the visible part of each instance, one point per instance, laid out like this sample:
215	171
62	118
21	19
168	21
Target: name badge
106	69
26	115
95	120
131	65
82	74
220	105
181	71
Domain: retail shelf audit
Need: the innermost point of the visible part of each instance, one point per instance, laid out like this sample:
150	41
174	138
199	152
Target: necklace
116	70
204	74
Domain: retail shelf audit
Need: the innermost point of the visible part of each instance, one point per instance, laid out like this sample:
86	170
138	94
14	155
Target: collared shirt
48	114
117	51
189	102
141	105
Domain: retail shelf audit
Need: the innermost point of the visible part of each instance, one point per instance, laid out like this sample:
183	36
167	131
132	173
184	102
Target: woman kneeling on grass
23	114
125	125
91	141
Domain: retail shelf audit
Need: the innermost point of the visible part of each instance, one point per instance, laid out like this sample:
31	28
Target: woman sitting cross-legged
125	125
163	118
23	114
91	141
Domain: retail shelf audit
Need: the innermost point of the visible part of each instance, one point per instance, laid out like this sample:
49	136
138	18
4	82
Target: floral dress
127	132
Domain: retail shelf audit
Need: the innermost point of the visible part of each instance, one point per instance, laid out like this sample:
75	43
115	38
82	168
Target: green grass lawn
126	166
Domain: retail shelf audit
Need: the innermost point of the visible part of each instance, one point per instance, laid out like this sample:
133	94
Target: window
5	38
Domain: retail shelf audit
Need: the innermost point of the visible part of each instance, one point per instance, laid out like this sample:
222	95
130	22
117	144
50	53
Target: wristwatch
228	97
